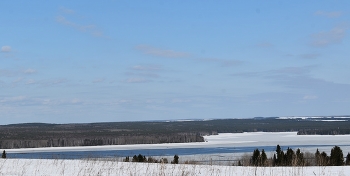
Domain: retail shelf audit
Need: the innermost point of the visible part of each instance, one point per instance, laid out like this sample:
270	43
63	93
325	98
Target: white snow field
114	168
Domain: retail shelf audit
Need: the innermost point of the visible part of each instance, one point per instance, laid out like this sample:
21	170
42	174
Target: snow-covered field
114	168
108	167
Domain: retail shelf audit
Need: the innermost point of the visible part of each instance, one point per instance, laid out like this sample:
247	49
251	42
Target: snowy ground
112	168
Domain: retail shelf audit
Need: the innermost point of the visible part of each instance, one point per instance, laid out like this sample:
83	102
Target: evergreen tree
280	156
176	160
135	159
336	158
274	160
256	158
263	158
347	162
289	157
140	158
300	158
324	159
3	154
318	158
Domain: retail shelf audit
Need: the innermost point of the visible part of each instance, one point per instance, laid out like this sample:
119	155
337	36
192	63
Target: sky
110	61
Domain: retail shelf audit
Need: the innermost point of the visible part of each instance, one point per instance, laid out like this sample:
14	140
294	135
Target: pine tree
280	156
127	159
324	159
176	160
336	158
347	162
135	159
300	158
318	158
3	154
263	158
274	160
140	158
256	157
289	157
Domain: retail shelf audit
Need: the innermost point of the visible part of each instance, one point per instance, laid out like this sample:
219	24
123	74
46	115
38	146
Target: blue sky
101	61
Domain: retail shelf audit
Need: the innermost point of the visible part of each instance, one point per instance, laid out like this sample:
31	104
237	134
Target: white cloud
75	101
309	56
333	14
136	80
336	35
6	49
222	62
12	99
90	28
264	45
31	81
66	10
29	71
310	97
83	28
149	50
146	68
98	80
179	100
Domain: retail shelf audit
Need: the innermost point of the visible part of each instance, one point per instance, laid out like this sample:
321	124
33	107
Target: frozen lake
225	146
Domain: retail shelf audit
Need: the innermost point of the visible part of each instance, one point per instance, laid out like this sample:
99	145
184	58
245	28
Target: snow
109	168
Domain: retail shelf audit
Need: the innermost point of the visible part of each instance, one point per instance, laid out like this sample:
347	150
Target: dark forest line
120	133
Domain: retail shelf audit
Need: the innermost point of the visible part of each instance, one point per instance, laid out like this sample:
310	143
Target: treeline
117	140
297	158
143	159
323	132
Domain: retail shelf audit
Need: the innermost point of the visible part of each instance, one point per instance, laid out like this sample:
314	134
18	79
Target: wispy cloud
76	101
12	99
13	73
334	36
142	73
290	77
6	49
88	28
310	97
222	62
333	14
98	80
31	81
136	80
146	68
66	10
167	53
309	56
264	45
153	51
29	71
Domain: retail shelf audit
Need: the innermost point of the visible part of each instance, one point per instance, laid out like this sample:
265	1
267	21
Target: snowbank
108	168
